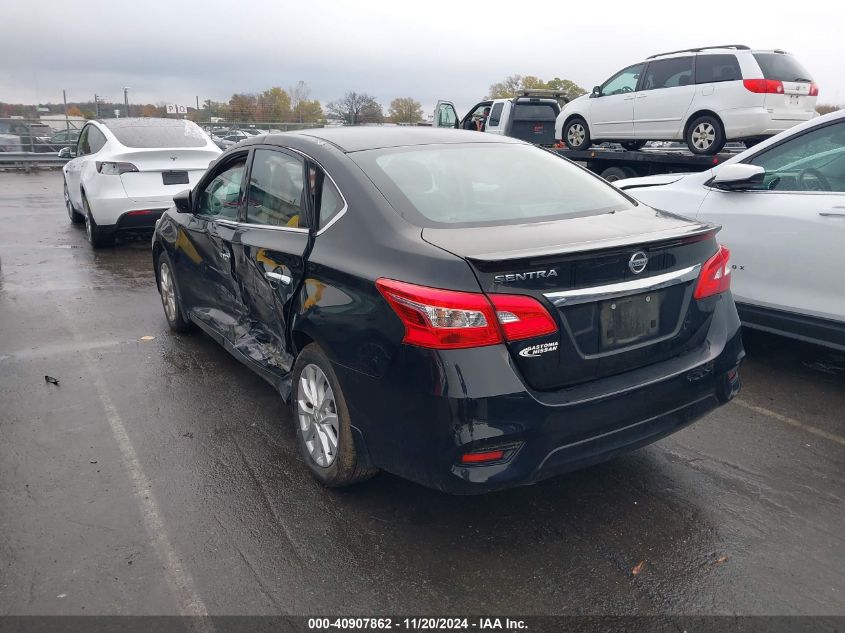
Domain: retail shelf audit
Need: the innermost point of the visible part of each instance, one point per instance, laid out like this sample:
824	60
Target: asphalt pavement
160	476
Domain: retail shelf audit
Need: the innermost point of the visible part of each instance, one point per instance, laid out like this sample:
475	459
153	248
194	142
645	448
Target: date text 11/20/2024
429	623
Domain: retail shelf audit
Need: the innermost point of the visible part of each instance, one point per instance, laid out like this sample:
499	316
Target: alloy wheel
317	412
704	135
88	228
68	204
576	134
168	291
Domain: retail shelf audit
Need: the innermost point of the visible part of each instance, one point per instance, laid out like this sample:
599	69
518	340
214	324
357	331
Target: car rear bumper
431	408
122	213
741	123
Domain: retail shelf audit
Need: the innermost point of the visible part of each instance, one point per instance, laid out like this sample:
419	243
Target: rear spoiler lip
697	231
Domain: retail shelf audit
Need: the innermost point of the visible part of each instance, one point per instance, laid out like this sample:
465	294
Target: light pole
126	99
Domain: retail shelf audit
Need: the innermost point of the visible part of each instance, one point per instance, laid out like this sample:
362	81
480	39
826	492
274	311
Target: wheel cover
88	228
576	134
317	412
168	291
703	135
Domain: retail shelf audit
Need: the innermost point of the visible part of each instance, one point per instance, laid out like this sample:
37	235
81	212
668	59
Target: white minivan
704	96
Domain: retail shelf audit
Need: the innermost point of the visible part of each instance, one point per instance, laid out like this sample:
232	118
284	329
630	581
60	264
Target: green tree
356	108
512	85
243	107
274	105
309	111
405	110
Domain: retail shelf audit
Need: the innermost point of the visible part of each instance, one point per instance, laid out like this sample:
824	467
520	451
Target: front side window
623	81
496	114
715	68
446	115
485	184
222	196
668	73
276	190
814	161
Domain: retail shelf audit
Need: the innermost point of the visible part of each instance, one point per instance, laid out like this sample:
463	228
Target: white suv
704	96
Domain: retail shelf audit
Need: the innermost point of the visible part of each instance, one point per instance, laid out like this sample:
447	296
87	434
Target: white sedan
782	208
126	171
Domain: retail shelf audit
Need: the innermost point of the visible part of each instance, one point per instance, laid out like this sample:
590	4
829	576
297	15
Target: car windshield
781	67
485	184
157	133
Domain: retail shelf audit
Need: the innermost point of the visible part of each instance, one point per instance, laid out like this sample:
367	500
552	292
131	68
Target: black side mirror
596	92
183	201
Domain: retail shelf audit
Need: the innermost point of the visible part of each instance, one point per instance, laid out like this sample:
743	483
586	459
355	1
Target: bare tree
298	97
356	108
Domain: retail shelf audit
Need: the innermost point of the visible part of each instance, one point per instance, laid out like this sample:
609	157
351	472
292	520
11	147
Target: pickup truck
530	116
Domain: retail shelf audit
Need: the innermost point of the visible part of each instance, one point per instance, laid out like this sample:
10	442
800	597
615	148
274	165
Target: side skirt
818	331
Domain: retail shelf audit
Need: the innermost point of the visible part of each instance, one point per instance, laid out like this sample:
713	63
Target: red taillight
140	212
449	319
763	86
715	275
522	317
486	456
115	169
814	90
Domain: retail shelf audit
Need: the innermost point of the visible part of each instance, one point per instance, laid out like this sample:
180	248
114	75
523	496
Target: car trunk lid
163	172
610	318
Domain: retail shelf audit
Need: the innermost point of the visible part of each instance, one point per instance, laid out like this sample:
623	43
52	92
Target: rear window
534	112
714	68
781	67
152	133
485	185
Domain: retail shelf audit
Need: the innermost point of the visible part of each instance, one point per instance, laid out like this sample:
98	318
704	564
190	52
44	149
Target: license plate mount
174	177
628	320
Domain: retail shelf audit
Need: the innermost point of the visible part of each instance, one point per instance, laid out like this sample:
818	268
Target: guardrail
28	160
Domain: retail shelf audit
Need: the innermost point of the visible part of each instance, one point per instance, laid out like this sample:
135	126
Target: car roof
358	138
113	124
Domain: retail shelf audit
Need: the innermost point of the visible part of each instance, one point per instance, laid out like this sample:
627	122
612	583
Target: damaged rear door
270	255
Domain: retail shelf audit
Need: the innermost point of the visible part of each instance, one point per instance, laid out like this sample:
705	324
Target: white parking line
833	437
179	579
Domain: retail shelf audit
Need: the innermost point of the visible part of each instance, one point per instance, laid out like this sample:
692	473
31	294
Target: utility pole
126	99
96	105
67	121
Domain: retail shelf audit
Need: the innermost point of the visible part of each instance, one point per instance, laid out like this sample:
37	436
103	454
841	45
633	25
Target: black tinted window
534	112
222	195
496	114
781	67
158	133
668	73
712	68
275	194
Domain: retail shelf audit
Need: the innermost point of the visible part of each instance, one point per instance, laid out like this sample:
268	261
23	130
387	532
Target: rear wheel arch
692	117
157	251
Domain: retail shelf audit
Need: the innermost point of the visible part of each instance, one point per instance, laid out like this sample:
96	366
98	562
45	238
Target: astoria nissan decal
536	350
534	274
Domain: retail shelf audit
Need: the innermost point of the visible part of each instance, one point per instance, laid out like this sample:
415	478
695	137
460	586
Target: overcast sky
176	50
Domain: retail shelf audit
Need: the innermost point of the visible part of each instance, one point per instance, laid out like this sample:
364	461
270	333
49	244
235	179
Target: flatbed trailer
616	164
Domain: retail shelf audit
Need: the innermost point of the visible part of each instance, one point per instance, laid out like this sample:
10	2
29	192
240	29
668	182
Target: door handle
285	279
641	96
836	212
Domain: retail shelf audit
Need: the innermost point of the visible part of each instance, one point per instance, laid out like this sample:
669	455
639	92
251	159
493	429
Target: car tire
75	216
576	134
612	174
633	146
323	427
97	238
705	135
171	300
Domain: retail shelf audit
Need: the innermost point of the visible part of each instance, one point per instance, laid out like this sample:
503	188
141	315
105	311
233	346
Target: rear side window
96	140
714	68
275	196
781	67
158	133
668	73
331	203
495	115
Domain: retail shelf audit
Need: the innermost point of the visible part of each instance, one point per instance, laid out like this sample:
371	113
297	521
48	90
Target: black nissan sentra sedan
465	310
